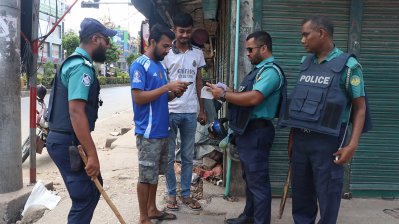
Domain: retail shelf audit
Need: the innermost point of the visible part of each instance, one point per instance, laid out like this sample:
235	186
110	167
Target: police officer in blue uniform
251	110
73	107
329	95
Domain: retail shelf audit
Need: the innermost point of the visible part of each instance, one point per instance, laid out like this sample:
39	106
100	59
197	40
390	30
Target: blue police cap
90	26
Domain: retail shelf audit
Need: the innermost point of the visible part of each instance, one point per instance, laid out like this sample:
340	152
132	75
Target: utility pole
32	89
10	92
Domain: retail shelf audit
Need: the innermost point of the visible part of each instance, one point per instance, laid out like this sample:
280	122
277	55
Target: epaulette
352	63
303	59
86	62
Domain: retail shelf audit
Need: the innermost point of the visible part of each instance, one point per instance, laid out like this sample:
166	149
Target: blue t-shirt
151	119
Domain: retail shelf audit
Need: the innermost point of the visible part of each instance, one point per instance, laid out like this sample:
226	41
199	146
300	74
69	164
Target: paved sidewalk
119	169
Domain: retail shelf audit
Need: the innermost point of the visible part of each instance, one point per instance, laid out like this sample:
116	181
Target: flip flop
172	205
164	216
191	203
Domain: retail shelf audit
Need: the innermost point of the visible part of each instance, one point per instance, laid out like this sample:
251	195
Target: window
57	32
56	51
44	52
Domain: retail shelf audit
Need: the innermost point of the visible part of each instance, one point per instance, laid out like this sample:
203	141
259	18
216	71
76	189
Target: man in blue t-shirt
151	92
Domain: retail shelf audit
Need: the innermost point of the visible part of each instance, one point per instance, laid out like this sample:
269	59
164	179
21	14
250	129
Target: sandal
164	216
191	203
171	204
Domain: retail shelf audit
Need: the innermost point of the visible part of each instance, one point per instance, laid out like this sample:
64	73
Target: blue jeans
186	123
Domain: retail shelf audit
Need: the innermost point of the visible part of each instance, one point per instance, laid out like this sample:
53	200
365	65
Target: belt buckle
305	130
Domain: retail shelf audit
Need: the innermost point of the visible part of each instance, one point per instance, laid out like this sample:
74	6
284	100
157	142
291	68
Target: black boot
242	219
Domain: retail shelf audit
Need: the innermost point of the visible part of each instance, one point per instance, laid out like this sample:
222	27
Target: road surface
115	99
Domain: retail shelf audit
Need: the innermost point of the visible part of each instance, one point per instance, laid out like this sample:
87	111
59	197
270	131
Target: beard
184	40
99	54
157	55
256	59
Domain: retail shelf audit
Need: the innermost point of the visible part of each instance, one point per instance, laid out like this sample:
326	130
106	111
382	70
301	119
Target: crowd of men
166	86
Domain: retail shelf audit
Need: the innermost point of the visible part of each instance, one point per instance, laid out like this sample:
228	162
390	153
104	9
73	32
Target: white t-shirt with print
183	67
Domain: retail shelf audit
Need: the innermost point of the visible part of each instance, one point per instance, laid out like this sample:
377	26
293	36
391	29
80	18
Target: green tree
48	69
131	58
70	41
112	53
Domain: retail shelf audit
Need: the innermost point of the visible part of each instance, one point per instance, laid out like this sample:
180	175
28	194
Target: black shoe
242	219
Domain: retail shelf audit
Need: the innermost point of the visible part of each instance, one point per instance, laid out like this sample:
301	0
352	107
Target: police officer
329	89
73	108
251	110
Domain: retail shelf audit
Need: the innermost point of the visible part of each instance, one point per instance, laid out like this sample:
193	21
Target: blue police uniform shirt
267	83
151	119
356	81
77	77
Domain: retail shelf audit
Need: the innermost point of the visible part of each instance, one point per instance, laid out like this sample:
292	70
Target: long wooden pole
101	189
288	180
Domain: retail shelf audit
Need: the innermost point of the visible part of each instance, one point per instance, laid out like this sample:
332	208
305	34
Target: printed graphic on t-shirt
136	77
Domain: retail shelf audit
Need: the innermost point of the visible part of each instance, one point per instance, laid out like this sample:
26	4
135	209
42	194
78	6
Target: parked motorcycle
41	125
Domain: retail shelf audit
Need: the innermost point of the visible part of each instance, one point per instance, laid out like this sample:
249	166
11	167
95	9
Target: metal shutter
375	167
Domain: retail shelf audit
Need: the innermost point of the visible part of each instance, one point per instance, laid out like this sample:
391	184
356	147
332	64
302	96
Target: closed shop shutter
282	19
375	167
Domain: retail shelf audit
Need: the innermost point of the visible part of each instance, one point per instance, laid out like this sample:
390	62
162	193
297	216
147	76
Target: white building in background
50	12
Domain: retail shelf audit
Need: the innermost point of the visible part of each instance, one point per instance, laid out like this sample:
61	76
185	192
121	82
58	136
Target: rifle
288	180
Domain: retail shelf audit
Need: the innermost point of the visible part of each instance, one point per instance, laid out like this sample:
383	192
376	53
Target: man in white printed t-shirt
183	63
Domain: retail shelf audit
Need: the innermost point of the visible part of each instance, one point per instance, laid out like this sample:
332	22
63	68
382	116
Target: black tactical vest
58	112
317	102
240	116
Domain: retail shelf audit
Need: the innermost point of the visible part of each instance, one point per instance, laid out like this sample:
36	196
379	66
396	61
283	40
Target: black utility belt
258	123
62	132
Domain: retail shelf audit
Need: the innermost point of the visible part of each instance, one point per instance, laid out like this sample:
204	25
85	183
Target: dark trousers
316	179
254	148
81	189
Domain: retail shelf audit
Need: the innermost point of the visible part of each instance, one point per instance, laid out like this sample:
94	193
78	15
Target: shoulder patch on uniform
355	80
136	77
86	79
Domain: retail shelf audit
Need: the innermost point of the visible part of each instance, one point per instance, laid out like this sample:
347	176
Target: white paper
205	93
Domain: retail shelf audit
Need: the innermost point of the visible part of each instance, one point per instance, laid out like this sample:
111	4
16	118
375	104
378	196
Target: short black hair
321	22
262	38
183	19
86	39
158	30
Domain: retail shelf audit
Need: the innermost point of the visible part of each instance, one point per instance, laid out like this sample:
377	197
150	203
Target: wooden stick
101	189
288	180
285	193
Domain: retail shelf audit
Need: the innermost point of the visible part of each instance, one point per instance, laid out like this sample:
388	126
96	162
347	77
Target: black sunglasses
250	49
105	38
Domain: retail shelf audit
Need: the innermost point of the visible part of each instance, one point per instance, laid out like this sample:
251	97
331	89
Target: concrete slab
12	204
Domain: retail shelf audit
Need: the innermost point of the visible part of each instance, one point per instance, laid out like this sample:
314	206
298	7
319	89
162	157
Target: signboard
145	34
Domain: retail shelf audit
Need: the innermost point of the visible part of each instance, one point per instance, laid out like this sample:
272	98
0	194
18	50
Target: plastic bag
41	196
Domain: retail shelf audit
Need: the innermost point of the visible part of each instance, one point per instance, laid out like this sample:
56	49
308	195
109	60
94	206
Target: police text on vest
315	79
